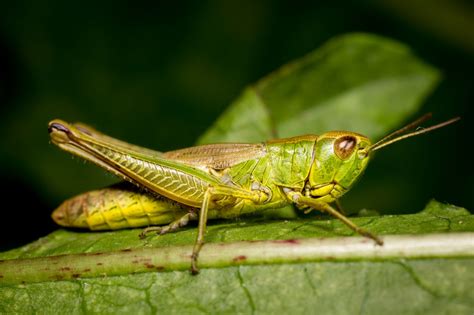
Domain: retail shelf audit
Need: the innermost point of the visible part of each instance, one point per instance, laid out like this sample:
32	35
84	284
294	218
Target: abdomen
116	207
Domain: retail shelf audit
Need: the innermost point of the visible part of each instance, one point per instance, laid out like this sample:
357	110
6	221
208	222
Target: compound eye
344	146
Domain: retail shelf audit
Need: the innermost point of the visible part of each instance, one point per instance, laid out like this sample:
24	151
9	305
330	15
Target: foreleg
301	200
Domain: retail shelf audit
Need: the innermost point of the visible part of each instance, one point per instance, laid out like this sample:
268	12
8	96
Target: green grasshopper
211	181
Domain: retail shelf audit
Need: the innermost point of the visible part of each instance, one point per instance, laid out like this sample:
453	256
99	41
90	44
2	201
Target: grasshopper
211	181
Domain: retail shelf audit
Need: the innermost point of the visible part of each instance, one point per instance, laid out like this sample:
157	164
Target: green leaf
350	83
331	284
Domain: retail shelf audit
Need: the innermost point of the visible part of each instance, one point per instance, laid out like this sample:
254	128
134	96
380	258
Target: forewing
217	156
118	143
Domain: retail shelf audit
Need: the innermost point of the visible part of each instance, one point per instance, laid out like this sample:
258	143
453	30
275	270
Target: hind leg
173	226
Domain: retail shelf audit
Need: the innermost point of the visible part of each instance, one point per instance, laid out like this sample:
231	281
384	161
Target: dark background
159	73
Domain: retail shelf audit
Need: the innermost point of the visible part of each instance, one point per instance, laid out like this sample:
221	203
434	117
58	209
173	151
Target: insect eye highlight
344	146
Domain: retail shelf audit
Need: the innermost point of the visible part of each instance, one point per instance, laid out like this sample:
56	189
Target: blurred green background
159	73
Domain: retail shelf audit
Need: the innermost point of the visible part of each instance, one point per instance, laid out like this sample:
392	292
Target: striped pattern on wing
168	181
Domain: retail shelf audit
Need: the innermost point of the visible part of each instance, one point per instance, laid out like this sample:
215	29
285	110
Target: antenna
385	141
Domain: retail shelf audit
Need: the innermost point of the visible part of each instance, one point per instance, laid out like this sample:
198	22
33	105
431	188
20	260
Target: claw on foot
373	237
149	230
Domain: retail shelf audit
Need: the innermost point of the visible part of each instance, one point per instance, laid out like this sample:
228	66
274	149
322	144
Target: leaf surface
438	285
